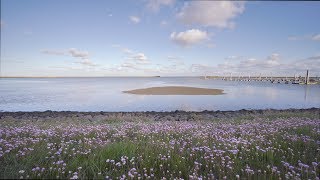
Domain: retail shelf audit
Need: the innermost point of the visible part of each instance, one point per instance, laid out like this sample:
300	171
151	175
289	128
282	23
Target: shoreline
153	115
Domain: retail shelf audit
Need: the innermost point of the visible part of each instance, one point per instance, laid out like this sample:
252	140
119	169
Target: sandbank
175	90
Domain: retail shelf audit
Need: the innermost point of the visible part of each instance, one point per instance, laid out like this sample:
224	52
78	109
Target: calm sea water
105	94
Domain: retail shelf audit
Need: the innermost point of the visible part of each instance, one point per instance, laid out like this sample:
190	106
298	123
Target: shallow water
105	94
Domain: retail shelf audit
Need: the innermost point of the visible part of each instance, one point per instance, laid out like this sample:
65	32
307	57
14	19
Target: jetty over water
273	79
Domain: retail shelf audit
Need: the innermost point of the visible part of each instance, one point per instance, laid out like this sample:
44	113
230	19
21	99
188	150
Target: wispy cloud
271	64
72	52
170	57
87	62
312	63
294	38
81	56
131	55
133	60
53	52
201	68
163	23
154	5
2	24
127	51
139	58
134	19
115	45
28	32
314	37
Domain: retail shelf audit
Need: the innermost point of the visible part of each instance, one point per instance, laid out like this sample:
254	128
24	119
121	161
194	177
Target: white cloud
127	51
72	52
77	53
124	67
210	45
211	13
154	5
202	68
233	57
53	52
2	24
176	61
271	64
246	66
312	63
274	57
27	32
172	58
136	57
115	45
87	62
316	37
82	56
189	37
128	65
294	38
163	23
252	64
139	58
134	19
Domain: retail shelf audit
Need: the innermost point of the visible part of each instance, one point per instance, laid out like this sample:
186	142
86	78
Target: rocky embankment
156	116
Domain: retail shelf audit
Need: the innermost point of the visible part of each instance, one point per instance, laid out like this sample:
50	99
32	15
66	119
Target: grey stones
147	116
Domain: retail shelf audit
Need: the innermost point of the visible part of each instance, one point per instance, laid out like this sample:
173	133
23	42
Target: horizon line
146	76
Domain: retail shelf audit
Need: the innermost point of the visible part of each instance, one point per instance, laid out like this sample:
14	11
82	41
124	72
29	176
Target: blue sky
158	37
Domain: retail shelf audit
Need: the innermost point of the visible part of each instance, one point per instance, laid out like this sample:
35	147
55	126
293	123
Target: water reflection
306	90
271	93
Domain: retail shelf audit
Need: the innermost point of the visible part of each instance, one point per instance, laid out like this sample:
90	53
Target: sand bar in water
175	90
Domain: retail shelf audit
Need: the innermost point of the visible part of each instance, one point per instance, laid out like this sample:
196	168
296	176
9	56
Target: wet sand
175	90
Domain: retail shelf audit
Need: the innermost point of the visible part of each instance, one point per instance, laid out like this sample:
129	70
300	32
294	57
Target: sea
106	94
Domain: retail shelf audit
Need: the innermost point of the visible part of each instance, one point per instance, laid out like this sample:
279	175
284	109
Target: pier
307	80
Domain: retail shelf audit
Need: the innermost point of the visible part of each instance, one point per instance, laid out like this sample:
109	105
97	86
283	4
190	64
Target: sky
159	37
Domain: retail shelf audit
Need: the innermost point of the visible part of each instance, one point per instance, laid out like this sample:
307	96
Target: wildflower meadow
237	148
